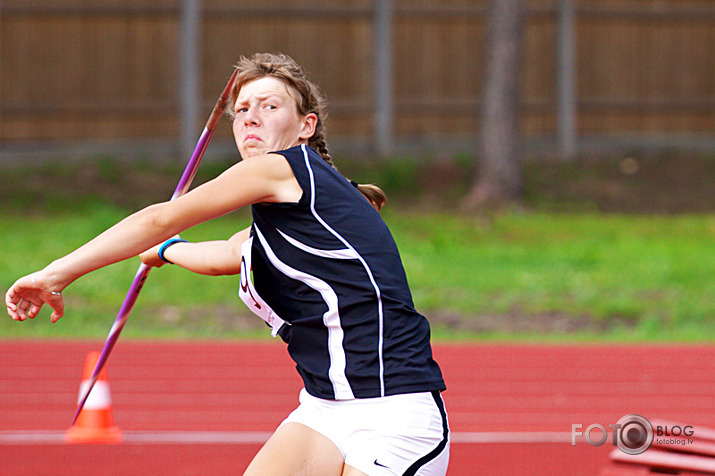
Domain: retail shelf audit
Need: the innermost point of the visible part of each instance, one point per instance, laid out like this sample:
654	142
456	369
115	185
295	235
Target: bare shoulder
273	174
272	165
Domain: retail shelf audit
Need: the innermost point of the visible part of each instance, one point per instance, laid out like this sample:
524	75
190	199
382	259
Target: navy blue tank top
329	267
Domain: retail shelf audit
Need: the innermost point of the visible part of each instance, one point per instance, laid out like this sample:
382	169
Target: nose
251	117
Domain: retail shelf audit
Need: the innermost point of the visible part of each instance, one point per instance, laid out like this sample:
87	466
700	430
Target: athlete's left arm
212	258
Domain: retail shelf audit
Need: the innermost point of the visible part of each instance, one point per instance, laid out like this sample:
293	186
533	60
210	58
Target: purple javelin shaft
181	188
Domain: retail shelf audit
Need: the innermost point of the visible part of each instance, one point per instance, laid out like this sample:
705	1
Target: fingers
27	309
22	306
58	309
10	303
151	258
23	302
16	302
33	310
24	309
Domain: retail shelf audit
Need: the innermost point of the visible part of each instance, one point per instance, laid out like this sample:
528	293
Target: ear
309	123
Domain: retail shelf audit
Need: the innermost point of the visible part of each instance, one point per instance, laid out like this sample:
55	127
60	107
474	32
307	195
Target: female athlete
326	277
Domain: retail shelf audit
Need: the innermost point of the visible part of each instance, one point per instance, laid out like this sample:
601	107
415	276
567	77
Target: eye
270	107
241	109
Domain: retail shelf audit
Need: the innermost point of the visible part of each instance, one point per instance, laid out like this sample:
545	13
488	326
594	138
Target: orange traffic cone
95	423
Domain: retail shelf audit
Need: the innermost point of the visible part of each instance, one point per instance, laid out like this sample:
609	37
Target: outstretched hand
25	299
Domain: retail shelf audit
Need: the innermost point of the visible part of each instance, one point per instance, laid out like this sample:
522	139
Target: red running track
205	407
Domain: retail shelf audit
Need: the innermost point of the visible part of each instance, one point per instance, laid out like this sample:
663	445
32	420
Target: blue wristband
167	244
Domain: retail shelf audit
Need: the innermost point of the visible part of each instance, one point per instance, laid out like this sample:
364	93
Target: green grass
566	276
514	276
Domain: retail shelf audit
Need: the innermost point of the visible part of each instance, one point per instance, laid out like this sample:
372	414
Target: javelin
182	187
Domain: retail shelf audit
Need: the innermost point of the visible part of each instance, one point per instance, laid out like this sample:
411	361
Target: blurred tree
499	176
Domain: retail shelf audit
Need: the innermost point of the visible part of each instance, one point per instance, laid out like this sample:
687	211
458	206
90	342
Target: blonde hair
309	101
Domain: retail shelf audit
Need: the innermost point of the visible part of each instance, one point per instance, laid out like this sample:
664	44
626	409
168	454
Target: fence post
384	92
190	73
566	80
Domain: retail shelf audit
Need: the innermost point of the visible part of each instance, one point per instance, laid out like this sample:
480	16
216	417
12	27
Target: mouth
251	137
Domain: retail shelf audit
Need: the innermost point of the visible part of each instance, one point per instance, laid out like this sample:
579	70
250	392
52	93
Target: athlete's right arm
213	258
262	179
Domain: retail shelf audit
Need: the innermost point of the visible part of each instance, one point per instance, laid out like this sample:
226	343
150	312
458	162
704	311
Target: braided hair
310	101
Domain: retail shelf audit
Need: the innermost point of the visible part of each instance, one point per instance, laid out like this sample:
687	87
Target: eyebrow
260	98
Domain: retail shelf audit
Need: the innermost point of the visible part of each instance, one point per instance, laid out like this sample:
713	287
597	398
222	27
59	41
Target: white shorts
397	435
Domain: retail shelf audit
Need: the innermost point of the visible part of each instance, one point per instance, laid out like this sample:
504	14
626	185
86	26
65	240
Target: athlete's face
267	118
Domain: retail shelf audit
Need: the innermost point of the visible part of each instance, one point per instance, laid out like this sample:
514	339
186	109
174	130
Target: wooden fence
399	72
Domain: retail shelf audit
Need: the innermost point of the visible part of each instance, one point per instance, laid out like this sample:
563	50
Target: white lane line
50	437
